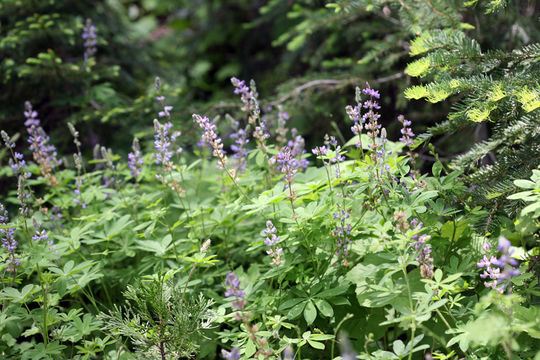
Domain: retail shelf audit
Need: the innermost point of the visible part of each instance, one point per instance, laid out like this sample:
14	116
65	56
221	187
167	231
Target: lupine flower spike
135	160
406	132
342	232
500	270
423	250
210	136
43	152
8	240
90	40
234	354
271	240
233	290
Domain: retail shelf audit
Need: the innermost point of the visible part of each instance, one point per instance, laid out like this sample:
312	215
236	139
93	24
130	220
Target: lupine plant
343	253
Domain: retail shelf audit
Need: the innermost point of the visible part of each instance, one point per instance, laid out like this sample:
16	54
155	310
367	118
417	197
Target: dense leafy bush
224	233
344	251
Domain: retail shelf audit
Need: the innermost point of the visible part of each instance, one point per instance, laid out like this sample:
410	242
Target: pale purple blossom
286	164
90	40
501	270
234	354
210	137
8	239
342	232
271	240
406	131
234	290
135	160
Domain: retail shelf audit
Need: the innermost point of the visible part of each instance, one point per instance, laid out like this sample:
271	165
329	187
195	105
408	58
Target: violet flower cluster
297	149
233	290
210	136
162	143
271	240
239	149
406	131
247	96
501	270
286	164
354	115
43	236
135	160
90	40
343	233
369	120
333	157
423	250
56	218
44	153
8	239
234	354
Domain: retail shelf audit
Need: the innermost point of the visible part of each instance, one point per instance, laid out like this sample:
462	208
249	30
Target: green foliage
139	270
364	255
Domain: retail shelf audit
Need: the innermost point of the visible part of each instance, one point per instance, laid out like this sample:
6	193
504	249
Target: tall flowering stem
239	303
44	153
342	232
271	241
248	96
9	243
90	40
423	250
135	160
499	271
163	149
210	136
288	166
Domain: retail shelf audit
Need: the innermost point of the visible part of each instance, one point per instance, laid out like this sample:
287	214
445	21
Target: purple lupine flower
500	270
297	149
135	160
288	353
240	141
22	196
210	136
286	164
422	248
372	93
44	153
426	262
90	40
371	117
406	131
43	236
342	232
8	239
320	151
233	290
271	240
162	143
166	108
31	115
7	140
56	217
18	163
239	149
234	354
333	156
354	115
247	95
